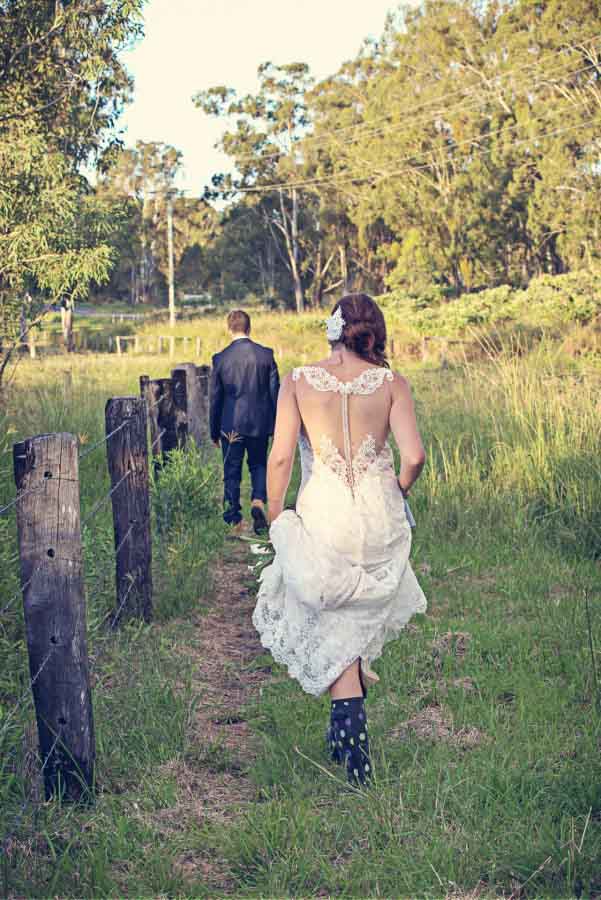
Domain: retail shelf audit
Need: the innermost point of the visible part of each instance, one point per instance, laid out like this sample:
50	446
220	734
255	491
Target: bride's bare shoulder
400	385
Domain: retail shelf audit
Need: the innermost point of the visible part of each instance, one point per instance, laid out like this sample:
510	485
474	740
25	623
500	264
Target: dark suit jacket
244	390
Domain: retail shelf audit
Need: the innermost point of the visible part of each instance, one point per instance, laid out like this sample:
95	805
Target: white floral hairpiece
334	326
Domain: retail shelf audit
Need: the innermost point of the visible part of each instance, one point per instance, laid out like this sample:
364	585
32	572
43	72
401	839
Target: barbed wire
158	439
19	702
107	437
348	178
103	440
20	591
120	546
123	602
20	496
99	503
115	617
419	111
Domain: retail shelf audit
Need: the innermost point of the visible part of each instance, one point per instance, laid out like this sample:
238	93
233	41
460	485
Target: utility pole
170	260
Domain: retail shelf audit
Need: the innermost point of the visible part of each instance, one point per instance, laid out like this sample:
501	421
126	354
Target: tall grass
140	676
485	726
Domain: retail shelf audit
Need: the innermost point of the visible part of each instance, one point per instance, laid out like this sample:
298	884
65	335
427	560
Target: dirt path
212	779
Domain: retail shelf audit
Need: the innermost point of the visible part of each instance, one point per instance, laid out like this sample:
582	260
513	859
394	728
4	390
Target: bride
341	584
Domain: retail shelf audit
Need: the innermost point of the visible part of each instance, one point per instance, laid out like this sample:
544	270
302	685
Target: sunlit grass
507	549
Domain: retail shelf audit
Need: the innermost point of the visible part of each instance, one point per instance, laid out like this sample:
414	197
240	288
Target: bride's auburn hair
364	331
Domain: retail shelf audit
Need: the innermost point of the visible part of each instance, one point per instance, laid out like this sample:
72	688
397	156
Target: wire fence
20	496
26	695
103	500
124	439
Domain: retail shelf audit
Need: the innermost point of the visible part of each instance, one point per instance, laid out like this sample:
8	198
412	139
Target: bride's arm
404	428
281	458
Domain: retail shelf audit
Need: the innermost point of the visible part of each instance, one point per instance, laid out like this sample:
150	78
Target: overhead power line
348	177
368	129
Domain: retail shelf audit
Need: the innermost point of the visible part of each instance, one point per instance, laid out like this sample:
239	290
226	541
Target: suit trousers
233	457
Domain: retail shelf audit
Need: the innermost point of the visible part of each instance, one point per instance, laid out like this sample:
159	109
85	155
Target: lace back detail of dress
320	379
350	470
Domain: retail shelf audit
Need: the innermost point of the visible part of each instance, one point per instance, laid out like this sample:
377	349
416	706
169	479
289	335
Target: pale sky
192	45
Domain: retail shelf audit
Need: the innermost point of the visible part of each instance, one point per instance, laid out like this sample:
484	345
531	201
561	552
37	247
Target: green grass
507	548
141	675
512	796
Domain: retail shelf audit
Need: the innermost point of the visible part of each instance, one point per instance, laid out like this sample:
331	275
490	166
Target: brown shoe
257	511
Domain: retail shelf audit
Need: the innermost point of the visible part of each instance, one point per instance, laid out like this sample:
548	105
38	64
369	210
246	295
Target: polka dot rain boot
348	738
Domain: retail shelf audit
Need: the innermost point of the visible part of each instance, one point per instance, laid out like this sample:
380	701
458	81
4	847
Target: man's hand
216	444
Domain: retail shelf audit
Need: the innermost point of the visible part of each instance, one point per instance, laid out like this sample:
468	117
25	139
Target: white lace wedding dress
341	584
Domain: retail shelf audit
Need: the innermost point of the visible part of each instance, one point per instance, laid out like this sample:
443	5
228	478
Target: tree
268	128
61	90
143	177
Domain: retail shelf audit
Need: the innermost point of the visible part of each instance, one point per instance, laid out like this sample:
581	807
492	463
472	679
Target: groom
244	393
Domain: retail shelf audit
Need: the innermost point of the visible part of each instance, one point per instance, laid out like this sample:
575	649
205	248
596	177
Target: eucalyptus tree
143	177
263	143
62	87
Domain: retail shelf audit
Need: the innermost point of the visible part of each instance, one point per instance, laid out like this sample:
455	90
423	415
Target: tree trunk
67	324
298	288
317	281
271	271
291	236
343	268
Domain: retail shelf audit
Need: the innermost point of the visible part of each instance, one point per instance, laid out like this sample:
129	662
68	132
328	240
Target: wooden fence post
159	344
158	393
152	411
179	384
188	389
203	374
118	340
49	531
198	346
127	453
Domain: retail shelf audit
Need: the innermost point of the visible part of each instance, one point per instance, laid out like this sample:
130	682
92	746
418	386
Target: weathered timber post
49	531
127	454
392	348
203	374
136	344
198	346
118	340
195	407
152	411
159	344
158	393
183	386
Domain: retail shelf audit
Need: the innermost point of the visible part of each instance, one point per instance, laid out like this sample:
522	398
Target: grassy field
486	726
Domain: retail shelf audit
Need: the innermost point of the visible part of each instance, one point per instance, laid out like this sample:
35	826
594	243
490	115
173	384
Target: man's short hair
238	321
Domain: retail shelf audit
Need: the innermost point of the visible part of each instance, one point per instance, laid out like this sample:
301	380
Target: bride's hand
275	510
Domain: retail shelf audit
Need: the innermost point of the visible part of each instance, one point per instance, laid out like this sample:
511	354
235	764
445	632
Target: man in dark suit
244	392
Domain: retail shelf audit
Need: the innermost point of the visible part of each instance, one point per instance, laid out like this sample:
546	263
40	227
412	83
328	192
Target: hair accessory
334	326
